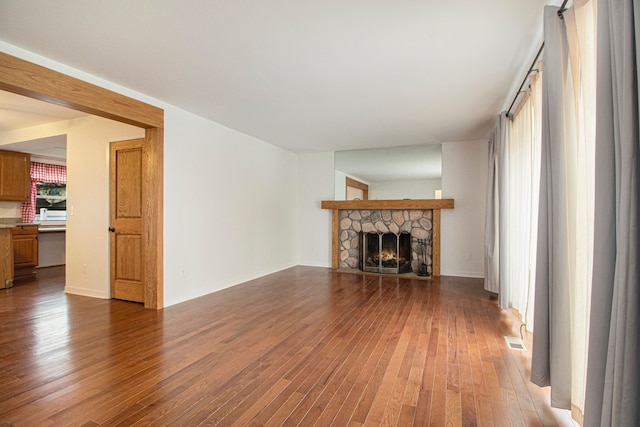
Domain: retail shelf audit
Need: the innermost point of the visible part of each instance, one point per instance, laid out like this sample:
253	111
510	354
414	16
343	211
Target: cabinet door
25	246
25	251
15	180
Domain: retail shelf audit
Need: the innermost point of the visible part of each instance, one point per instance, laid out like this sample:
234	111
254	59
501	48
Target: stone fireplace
419	217
385	240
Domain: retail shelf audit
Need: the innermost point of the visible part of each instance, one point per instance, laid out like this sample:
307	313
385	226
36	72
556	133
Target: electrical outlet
467	256
84	268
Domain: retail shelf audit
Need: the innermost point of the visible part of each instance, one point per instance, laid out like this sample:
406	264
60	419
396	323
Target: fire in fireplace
385	252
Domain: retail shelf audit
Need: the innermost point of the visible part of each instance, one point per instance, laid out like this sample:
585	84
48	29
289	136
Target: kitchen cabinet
25	250
15	179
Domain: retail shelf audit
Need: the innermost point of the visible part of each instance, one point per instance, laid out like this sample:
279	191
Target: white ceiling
304	75
17	112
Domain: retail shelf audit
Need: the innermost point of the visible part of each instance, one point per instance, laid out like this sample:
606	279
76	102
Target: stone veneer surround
436	205
417	222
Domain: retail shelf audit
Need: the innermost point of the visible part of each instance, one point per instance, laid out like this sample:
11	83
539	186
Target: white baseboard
469	274
85	292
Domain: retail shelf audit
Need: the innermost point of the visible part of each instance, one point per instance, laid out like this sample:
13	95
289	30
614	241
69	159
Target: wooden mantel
423	204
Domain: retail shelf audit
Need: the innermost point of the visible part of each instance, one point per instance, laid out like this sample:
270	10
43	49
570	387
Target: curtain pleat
565	225
511	206
492	213
551	353
522	209
613	384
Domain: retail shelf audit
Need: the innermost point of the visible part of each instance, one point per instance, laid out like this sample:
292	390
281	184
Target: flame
387	255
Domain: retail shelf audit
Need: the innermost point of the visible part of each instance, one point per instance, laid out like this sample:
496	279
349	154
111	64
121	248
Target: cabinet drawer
21	230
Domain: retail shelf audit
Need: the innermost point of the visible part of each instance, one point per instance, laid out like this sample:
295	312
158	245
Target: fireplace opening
385	252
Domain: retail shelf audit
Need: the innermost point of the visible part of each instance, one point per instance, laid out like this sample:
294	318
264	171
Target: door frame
350	182
34	81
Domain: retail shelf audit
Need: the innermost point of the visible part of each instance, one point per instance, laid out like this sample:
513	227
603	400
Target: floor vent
515	343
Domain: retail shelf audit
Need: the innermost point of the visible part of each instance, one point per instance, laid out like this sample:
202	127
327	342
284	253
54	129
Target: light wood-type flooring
304	346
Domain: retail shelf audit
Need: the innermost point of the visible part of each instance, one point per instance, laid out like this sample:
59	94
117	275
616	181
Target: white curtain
565	228
581	35
522	170
512	200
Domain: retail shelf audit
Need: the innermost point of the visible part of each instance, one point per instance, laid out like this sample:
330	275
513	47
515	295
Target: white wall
464	178
315	184
230	207
224	192
421	189
340	192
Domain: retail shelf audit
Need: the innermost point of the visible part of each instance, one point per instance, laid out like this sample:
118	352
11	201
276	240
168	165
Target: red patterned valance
41	172
44	172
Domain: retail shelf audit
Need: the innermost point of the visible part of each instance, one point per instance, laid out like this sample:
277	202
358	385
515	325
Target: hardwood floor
305	346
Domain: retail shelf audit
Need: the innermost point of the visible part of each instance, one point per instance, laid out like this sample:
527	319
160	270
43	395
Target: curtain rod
533	64
525	79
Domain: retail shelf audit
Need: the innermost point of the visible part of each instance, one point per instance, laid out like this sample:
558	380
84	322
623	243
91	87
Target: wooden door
127	281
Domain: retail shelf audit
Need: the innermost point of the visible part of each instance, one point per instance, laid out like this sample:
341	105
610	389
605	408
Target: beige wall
87	238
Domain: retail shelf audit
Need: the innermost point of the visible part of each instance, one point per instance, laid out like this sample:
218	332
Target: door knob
112	230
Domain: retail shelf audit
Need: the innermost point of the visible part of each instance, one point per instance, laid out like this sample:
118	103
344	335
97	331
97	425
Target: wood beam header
32	80
389	204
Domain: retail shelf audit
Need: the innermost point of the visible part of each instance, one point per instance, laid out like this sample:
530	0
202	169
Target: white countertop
46	226
51	226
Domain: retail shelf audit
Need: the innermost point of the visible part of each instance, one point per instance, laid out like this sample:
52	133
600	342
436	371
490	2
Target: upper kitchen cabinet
15	181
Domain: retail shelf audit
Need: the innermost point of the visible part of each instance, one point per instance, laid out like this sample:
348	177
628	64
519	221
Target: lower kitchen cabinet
25	250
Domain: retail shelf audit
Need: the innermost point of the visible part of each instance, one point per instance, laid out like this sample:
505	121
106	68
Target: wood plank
386	405
350	182
335	239
28	79
435	241
153	217
389	204
304	346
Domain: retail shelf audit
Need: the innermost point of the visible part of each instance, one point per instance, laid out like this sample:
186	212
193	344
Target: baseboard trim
469	274
85	292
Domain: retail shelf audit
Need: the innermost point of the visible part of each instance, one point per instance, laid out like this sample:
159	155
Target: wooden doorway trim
350	182
28	79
